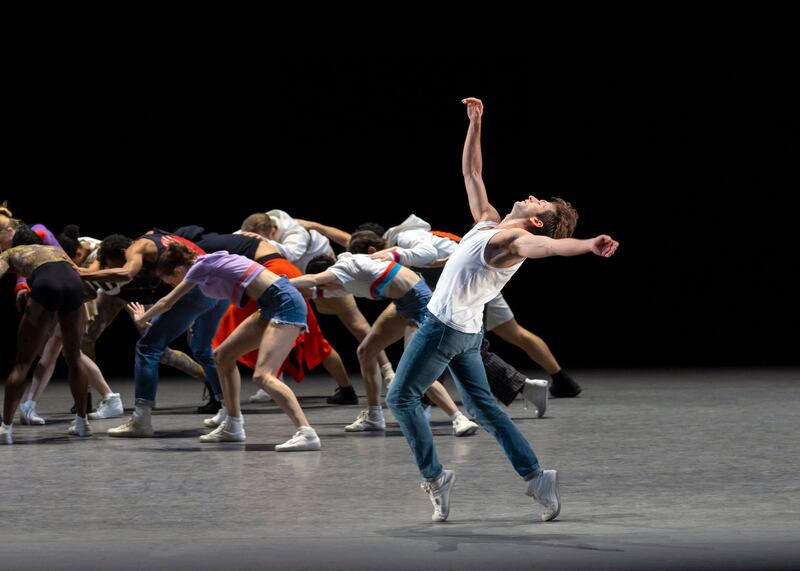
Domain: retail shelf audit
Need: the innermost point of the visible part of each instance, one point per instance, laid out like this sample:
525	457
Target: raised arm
142	317
472	165
334	234
527	245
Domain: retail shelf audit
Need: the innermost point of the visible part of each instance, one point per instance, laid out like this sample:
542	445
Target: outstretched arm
313	280
531	246
331	233
472	165
142	317
134	260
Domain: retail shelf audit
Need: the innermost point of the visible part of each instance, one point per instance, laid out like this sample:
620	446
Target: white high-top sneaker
535	392
109	407
225	433
462	426
438	491
544	490
27	413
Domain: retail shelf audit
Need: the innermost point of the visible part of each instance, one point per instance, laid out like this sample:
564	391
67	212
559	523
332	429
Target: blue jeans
194	307
434	348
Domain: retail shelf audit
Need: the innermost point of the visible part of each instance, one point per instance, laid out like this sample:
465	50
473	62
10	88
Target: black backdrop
691	167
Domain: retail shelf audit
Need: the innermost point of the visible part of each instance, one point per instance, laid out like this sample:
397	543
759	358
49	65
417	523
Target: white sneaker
109	407
136	427
462	426
27	413
261	396
544	490
5	436
365	423
80	428
217	419
224	433
438	491
304	439
535	392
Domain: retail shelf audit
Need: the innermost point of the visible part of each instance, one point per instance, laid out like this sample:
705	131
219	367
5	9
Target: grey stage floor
658	469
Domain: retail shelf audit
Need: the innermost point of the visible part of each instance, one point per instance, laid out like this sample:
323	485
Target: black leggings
56	286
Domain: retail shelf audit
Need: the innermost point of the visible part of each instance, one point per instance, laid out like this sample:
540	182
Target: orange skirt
309	350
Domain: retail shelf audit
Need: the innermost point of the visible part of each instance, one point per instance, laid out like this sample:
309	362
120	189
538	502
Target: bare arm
140	316
334	234
530	246
134	260
313	280
472	165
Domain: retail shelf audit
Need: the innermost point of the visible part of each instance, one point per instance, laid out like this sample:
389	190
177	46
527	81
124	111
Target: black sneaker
344	395
213	405
563	386
74	409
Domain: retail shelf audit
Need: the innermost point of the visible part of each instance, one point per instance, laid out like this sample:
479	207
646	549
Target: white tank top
467	282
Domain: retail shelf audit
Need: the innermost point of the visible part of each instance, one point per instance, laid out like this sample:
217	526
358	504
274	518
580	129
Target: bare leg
245	338
335	367
276	344
95	377
44	368
72	327
532	344
355	322
35	327
388	328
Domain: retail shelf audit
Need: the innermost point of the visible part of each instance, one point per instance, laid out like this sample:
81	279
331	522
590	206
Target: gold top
24	260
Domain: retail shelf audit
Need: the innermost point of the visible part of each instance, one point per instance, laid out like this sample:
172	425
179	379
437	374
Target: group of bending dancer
247	297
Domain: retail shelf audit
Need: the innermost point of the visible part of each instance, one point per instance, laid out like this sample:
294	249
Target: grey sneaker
364	423
110	407
136	427
438	491
80	428
217	419
260	396
535	392
544	490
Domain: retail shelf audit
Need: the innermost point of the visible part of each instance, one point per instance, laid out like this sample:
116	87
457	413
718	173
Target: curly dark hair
174	256
113	246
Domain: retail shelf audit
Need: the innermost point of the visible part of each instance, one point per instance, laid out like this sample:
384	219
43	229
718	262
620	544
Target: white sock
7	427
387	370
109	395
307	429
455	415
236	421
81	419
375	412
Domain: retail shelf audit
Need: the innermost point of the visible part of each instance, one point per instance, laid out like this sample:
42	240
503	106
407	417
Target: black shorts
56	286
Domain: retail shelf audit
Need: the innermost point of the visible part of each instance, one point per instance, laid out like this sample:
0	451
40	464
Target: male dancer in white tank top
451	333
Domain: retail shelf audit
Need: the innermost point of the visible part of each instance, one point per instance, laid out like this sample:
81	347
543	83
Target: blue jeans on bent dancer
434	348
193	308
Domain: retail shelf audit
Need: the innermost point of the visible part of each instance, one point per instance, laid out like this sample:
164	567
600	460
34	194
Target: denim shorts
281	303
415	301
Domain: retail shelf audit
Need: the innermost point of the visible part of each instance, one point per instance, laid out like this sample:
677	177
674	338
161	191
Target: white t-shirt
468	283
416	246
361	275
295	243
